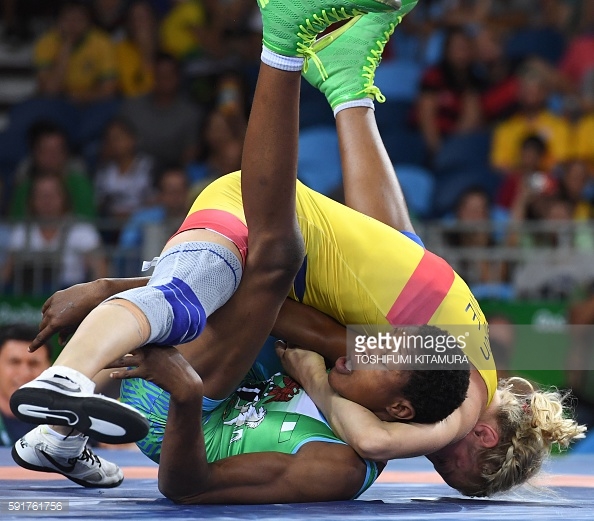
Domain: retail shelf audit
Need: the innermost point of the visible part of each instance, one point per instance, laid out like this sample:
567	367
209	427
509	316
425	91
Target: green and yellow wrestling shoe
350	55
290	27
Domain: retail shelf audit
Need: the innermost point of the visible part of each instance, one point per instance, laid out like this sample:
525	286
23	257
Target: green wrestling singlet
274	415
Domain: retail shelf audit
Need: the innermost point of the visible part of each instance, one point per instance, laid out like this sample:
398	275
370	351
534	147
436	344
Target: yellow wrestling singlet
358	270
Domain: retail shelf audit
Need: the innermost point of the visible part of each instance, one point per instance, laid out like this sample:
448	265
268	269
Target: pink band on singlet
225	223
423	293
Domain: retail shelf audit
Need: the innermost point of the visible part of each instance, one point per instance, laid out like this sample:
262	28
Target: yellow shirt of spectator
509	135
178	29
583	139
134	75
91	61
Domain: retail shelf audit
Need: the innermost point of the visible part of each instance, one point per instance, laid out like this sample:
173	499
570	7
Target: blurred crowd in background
136	105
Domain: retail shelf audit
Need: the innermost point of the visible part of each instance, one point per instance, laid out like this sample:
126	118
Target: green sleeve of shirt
80	191
18	204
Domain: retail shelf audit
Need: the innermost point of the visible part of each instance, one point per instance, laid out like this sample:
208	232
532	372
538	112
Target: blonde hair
529	422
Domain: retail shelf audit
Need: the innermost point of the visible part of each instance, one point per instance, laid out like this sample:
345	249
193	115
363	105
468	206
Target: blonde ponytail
529	422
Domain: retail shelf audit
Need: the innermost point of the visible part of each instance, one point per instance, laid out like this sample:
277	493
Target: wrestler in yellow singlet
359	270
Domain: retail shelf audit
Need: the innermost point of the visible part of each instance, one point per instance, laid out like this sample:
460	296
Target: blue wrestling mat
407	490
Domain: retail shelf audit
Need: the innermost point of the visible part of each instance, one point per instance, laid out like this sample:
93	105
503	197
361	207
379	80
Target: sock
363	102
56	444
86	385
284	63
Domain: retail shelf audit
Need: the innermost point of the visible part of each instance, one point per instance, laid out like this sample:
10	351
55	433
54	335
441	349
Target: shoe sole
101	418
29	466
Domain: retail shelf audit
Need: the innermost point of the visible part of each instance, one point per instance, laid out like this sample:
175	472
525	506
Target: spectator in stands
583	137
233	21
223	134
172	205
123	184
473	212
565	264
205	28
461	13
185	31
578	59
135	53
532	118
531	171
17	367
76	59
51	250
449	102
166	123
499	83
222	149
572	188
109	16
50	155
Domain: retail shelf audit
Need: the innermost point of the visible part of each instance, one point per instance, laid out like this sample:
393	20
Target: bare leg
117	327
370	183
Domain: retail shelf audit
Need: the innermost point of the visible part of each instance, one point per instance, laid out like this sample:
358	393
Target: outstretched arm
222	353
185	476
63	312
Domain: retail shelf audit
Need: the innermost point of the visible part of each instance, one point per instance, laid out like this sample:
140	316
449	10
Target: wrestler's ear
486	434
401	410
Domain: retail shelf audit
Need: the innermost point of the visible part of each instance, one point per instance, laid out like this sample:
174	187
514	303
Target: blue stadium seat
23	115
463	152
94	118
545	43
493	290
13	147
393	114
319	159
405	146
448	189
399	79
418	186
314	110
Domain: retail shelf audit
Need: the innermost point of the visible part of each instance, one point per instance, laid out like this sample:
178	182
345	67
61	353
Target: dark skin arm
63	312
310	329
297	323
187	477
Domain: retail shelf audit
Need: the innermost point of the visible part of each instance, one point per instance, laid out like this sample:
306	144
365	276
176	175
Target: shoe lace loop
374	60
313	26
88	456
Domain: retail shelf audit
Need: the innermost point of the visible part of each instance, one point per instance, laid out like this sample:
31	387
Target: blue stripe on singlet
413	237
189	314
299	284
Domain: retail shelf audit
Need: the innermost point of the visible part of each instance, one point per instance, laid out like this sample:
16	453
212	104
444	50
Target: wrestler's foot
43	452
57	400
291	26
351	54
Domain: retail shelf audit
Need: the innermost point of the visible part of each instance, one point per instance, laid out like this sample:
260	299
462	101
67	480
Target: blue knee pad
190	282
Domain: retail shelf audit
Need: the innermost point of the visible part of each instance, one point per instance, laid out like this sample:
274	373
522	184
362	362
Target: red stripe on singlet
423	293
225	223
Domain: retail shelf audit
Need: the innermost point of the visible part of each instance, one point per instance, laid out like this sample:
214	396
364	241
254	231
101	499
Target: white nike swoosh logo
65	384
44	412
106	427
